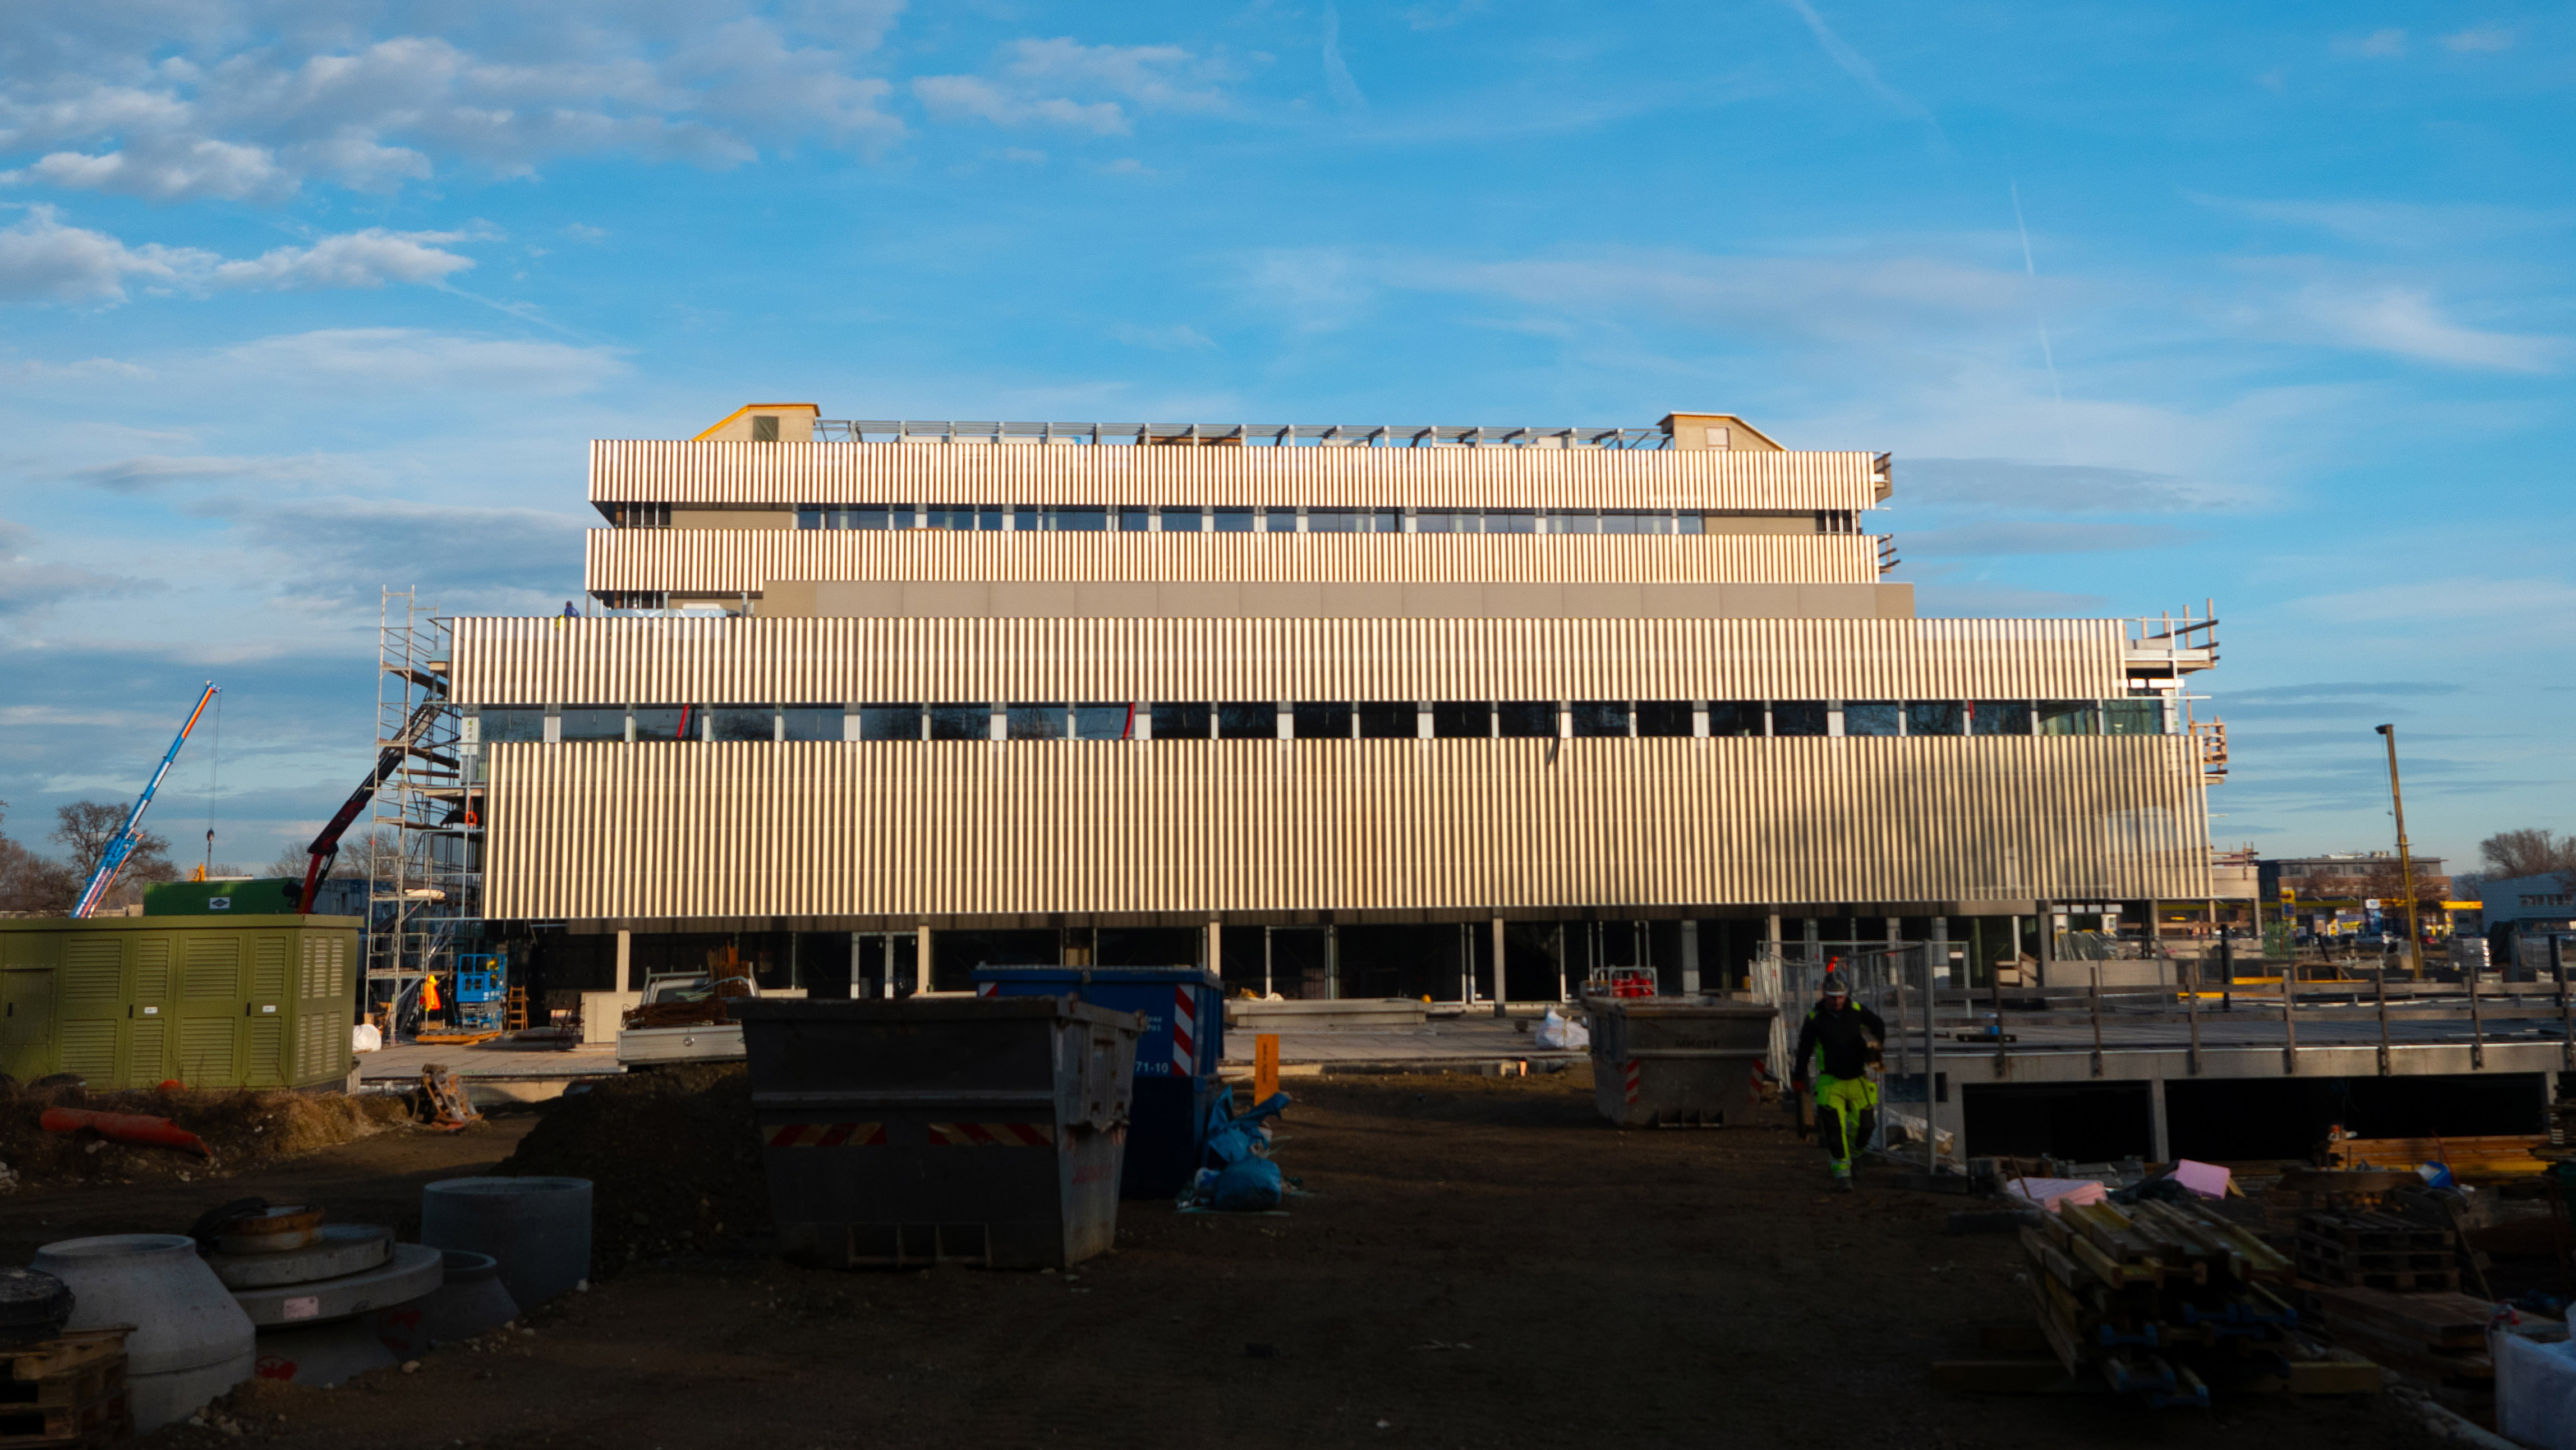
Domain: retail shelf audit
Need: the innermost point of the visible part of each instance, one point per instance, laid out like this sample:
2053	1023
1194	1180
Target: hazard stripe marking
1185	1024
992	1135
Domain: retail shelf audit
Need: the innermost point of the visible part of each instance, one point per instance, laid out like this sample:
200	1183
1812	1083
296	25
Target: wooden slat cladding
728	561
646	471
624	661
978	829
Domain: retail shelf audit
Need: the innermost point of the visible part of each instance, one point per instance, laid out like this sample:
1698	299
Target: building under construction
1455	712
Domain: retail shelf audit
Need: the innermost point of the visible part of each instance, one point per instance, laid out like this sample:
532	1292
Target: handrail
1259	435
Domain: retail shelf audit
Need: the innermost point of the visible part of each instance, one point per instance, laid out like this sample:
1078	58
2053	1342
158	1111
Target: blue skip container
1176	1056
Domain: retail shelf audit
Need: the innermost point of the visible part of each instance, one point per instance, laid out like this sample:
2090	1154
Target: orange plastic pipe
125	1128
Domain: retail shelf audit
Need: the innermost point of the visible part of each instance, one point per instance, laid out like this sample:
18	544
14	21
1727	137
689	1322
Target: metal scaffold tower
425	865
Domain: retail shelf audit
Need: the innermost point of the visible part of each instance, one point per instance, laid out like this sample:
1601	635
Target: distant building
2522	914
2320	893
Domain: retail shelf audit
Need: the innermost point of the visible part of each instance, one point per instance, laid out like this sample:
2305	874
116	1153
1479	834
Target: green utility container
210	1002
264	896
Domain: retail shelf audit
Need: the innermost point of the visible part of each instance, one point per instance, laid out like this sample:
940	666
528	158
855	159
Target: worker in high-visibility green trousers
1833	1054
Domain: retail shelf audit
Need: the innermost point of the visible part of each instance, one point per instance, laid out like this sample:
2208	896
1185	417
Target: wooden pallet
68	1391
2364	1232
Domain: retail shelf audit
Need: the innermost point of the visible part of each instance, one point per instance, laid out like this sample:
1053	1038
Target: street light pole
2405	859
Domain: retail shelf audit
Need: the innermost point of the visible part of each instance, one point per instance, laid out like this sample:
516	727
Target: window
893	722
961	519
1232	521
669	722
1462	719
1135	520
1388	720
1797	717
742	722
812	722
961	722
1334	521
2066	717
2133	717
1663	718
1322	719
1247	720
1737	717
1567	522
1180	521
1511	521
1527	719
1187	720
1596	718
1384	521
1636	523
588	722
1870	717
764	427
1431	522
1999	717
1934	717
1102	722
1280	521
1689	524
509	726
1033	722
1074	520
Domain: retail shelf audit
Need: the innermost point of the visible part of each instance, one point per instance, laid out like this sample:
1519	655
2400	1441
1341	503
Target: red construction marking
1185	1027
826	1135
1634	1069
989	989
992	1135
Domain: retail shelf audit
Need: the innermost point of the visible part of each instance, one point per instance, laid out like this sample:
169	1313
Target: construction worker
1833	1054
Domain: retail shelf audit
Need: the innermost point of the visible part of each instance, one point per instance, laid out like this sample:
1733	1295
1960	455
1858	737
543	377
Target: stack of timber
2365	1250
68	1391
2438	1340
2169	1301
2302	1191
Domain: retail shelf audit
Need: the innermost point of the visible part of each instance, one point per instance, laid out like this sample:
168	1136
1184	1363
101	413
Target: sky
2155	304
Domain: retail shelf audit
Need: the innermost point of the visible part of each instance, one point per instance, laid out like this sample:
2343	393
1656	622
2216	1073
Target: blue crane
121	845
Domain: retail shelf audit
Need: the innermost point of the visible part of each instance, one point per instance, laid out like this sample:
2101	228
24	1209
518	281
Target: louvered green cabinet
247	1001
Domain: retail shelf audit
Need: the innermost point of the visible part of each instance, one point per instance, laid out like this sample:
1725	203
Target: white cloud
201	103
2479	38
2471	597
42	258
1858	67
1062	82
2052	487
2377	45
2397	224
1179	337
27	585
1337	72
377	358
2405	322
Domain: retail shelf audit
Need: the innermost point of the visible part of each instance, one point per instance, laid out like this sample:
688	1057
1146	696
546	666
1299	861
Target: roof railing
1238	435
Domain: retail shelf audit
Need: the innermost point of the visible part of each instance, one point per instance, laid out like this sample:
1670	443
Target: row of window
999	518
1320	720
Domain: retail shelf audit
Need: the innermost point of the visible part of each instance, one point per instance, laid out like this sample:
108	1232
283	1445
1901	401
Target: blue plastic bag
1253	1185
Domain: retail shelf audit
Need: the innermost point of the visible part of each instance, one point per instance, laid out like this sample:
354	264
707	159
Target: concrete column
1502	988
2047	942
1941	949
1332	962
921	977
858	976
1266	943
626	963
1215	954
1466	965
1690	958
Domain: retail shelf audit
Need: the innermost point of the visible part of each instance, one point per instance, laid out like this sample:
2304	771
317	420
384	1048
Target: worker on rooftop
1833	1054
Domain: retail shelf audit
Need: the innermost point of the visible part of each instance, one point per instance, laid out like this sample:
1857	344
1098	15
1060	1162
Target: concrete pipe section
470	1300
191	1342
325	1356
337	1249
538	1228
412	1271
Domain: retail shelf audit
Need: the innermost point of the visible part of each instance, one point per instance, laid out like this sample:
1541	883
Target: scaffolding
425	861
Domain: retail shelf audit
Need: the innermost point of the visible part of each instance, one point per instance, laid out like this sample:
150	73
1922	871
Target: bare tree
31	884
2528	852
86	829
360	856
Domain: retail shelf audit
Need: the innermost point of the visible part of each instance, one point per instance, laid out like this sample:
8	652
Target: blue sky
2153	304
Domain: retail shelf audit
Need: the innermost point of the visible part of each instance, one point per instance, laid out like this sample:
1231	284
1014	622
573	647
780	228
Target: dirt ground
1485	1263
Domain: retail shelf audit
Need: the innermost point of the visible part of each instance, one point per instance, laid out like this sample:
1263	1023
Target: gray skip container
982	1130
1664	1062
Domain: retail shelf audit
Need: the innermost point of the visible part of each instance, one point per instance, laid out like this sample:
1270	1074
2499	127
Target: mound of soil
243	1129
672	1157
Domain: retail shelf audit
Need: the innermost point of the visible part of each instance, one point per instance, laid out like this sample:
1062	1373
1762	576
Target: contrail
2048	354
